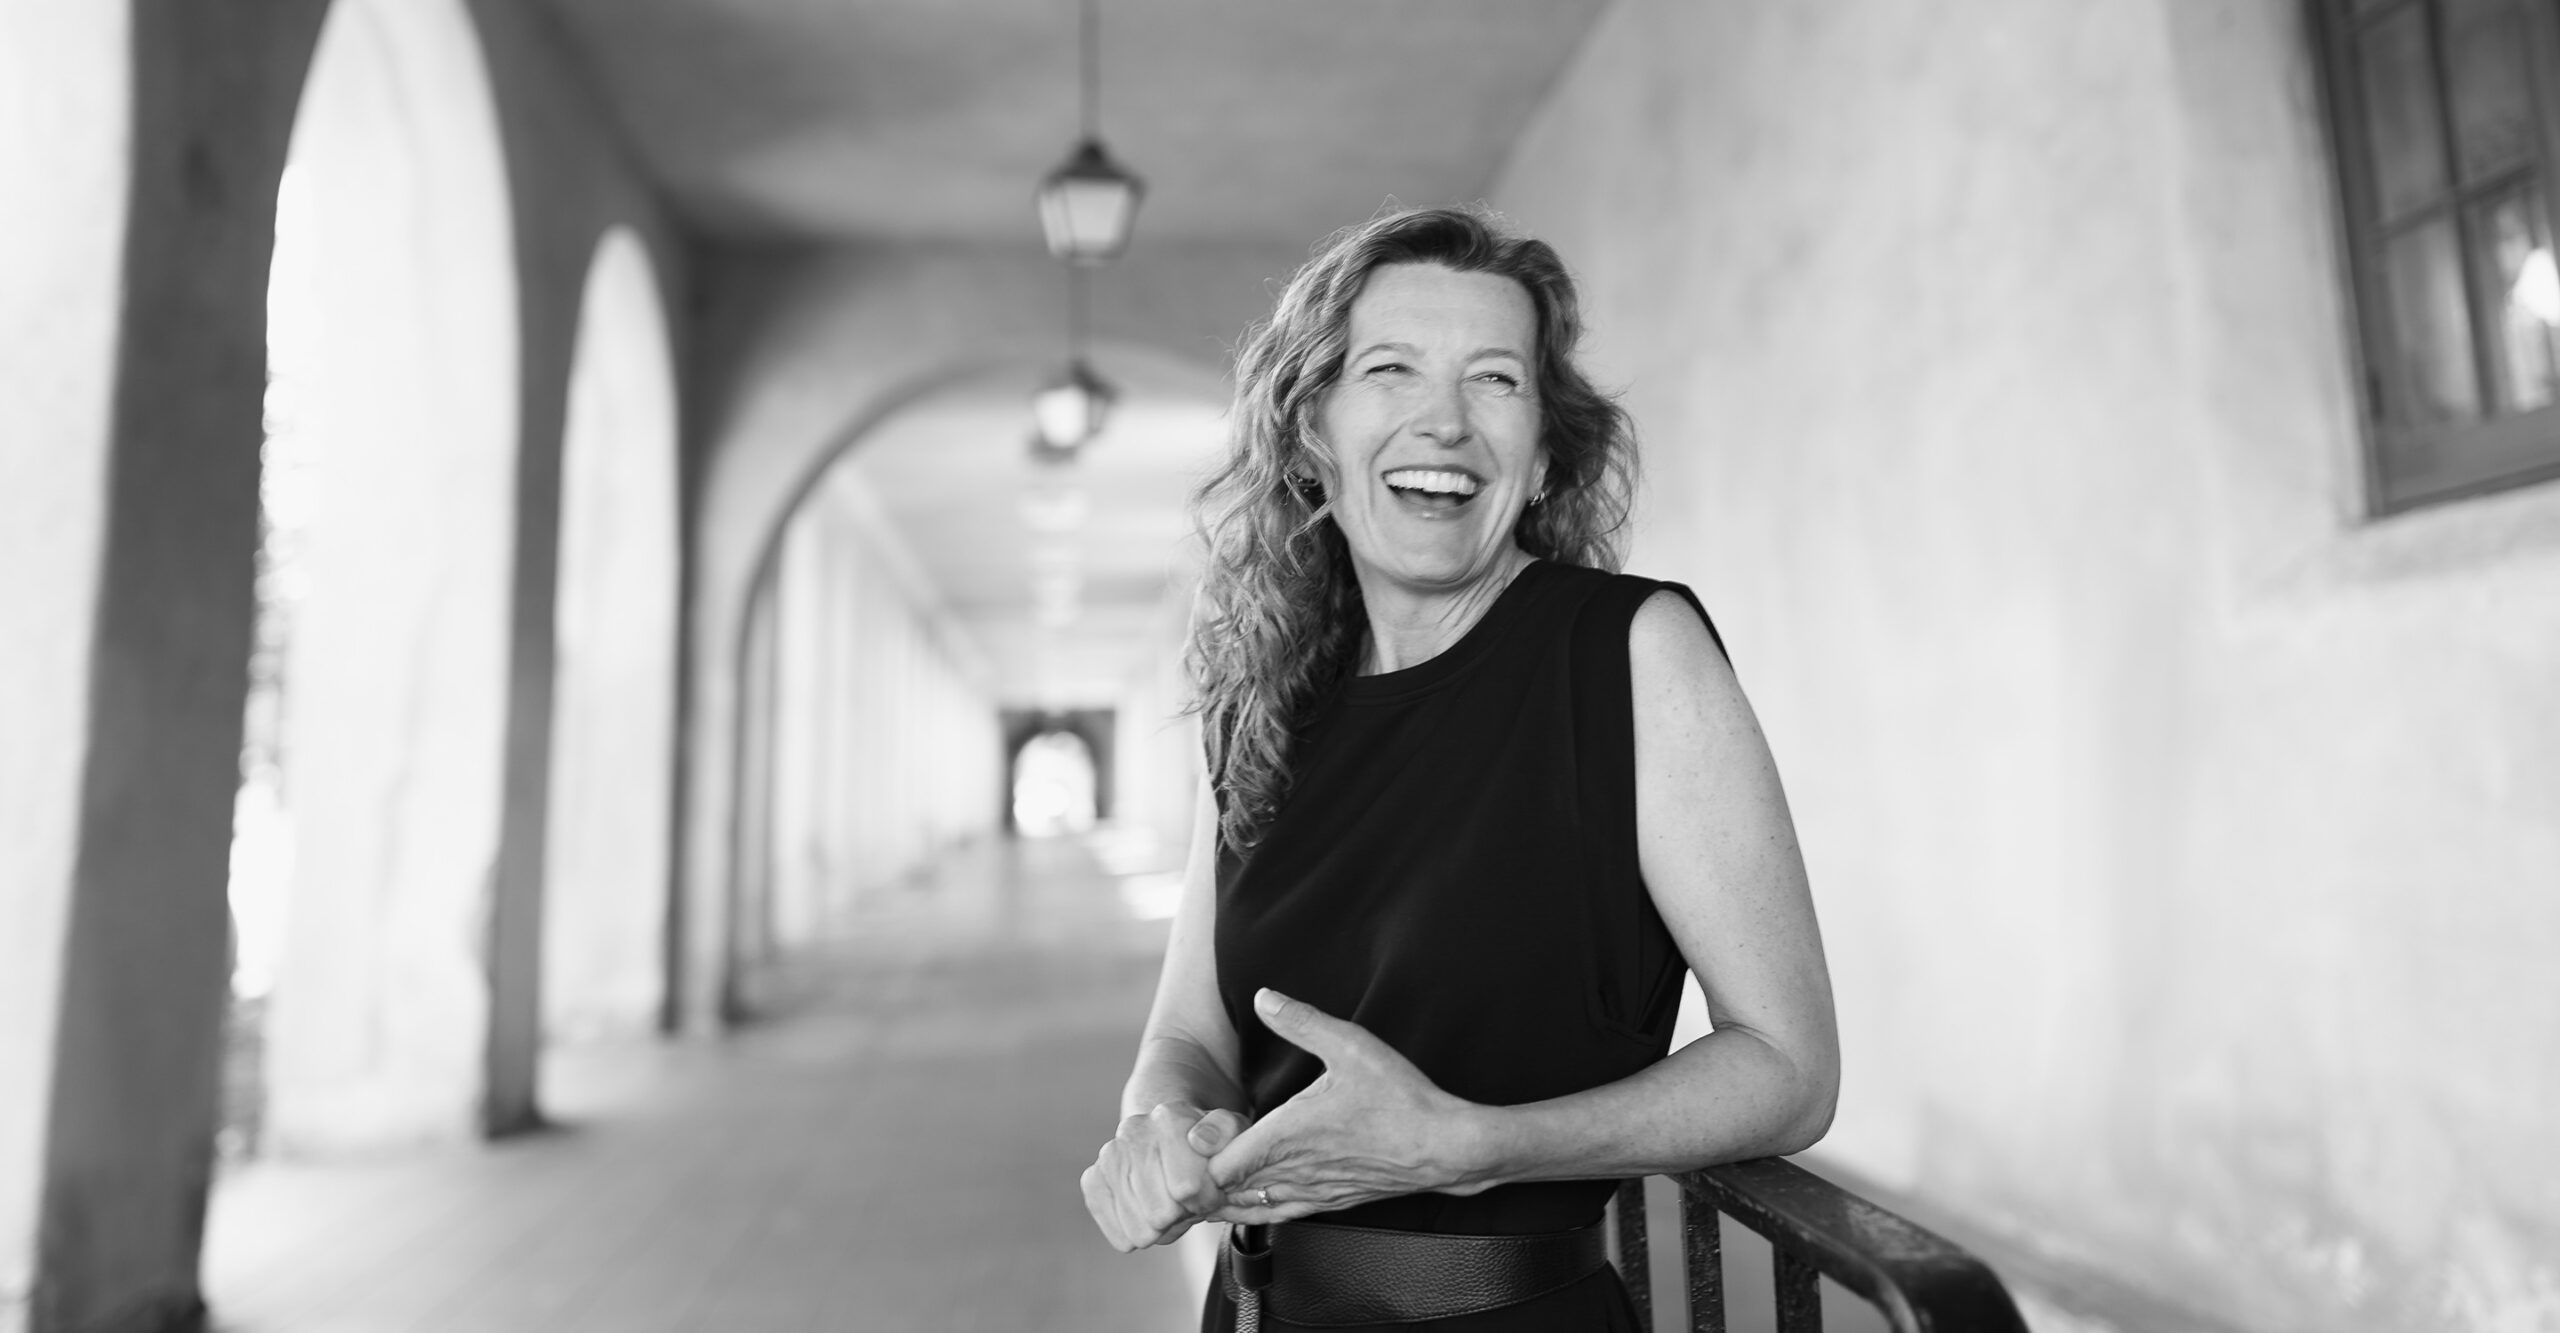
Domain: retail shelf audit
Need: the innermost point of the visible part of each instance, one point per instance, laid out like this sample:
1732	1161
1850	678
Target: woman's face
1434	425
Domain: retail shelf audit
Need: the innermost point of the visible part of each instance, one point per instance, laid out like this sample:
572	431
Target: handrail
1920	1281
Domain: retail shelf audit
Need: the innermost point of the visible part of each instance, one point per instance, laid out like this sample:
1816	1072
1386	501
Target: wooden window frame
2410	465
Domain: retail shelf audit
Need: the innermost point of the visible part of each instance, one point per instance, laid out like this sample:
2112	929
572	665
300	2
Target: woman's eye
1388	368
1501	379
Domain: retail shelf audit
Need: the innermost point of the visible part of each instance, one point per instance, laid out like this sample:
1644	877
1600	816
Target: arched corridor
532	605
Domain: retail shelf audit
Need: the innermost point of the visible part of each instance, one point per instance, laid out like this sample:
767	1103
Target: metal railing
1920	1281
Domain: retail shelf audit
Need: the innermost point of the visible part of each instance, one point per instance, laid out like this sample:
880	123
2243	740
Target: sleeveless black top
1454	869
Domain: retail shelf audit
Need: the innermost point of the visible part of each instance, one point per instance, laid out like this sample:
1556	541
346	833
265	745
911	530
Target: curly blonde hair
1280	620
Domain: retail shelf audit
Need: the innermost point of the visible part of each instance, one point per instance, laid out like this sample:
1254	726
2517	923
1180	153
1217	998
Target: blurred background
589	664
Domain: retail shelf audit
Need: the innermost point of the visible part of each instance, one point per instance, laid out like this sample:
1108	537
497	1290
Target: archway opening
1087	768
605	864
1035	591
368	816
1054	786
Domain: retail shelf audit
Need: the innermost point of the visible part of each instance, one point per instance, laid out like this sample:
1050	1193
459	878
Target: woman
1475	804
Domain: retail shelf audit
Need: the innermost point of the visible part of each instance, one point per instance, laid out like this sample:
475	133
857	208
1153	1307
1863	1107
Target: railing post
1799	1290
1635	1259
1702	1241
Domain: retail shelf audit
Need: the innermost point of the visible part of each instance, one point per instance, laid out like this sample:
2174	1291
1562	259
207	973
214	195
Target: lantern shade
1089	205
1072	409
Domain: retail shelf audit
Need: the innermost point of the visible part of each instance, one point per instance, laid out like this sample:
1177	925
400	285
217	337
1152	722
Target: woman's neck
1408	628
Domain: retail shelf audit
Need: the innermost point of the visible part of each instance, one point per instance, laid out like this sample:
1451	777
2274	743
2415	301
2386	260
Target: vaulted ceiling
885	124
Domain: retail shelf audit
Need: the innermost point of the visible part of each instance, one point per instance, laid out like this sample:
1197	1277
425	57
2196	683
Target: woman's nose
1441	416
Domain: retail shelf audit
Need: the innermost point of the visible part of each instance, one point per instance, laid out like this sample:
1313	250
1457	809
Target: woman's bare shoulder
1673	656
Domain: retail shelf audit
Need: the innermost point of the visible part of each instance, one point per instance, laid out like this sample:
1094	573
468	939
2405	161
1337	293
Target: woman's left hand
1370	1127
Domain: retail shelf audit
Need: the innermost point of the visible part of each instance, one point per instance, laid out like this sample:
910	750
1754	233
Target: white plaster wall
605	874
396	689
2188	847
885	749
64	73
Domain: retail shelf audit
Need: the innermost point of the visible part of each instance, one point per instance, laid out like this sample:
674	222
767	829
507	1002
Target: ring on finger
1262	1195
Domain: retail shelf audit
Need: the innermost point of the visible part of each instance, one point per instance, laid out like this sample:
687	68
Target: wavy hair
1280	621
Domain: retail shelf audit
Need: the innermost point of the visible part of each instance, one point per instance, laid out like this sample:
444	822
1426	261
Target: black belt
1324	1276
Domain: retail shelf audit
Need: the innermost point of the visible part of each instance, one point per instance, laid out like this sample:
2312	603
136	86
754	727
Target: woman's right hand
1151	1181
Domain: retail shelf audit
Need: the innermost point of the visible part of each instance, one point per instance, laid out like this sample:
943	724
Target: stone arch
764	461
1011	371
753	894
605	874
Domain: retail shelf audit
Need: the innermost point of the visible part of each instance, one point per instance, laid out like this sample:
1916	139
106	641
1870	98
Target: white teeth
1441	483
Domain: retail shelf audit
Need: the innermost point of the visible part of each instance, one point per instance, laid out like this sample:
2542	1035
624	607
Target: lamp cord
1090	29
1089	34
1075	311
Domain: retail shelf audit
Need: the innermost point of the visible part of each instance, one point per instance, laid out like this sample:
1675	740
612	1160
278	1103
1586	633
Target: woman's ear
1306	470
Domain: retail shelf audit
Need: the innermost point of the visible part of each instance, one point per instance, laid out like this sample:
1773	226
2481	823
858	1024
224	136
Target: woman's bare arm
1183	1101
1719	855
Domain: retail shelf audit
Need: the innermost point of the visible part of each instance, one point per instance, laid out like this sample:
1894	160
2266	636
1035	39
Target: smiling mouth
1432	489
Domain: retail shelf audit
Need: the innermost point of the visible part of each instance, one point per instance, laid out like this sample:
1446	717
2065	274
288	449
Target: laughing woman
1476	803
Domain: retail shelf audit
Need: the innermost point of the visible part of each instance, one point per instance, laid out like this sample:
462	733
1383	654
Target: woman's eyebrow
1408	349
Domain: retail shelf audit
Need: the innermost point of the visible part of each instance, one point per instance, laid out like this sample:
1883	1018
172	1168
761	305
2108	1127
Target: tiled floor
897	1149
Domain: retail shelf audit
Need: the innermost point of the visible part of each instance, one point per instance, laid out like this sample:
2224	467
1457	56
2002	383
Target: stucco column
139	150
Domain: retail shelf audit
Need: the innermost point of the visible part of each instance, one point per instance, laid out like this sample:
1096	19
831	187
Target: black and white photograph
1134	666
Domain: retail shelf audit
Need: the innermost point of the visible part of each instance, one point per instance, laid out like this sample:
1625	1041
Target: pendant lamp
1069	411
1089	204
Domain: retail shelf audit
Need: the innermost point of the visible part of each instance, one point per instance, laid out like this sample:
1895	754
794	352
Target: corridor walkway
895	1148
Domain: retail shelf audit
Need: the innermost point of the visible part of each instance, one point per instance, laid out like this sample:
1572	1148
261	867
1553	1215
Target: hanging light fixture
1072	409
1089	205
1069	411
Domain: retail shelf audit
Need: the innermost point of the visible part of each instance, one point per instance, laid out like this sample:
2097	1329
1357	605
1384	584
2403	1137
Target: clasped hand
1370	1127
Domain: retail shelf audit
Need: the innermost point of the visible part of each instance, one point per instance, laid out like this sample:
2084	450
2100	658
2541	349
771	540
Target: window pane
2431	324
2511	241
2401	118
2492	102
